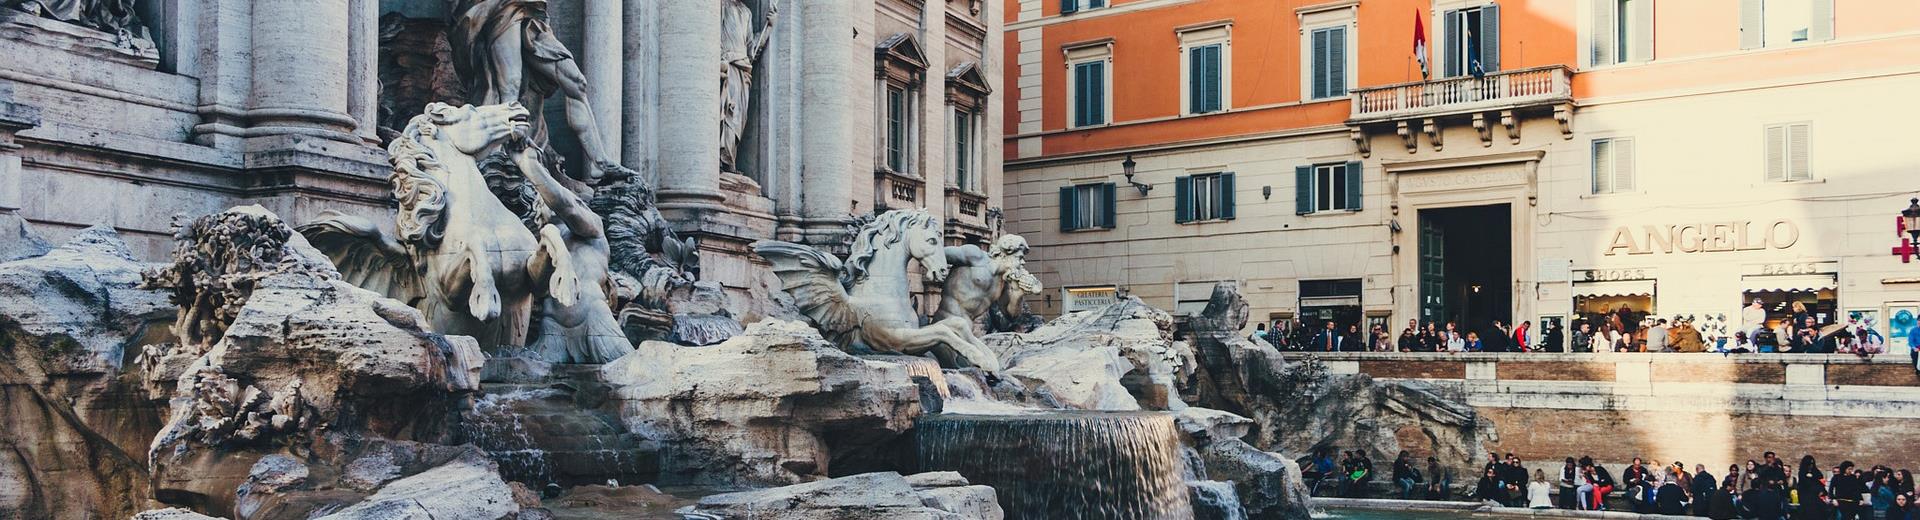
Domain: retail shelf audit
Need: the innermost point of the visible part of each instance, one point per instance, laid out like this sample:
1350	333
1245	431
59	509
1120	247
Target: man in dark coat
1704	487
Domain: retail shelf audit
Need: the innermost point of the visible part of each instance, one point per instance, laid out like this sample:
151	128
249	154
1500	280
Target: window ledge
1331	212
1585	196
1617	66
1342	97
1816	180
1207	221
1089	230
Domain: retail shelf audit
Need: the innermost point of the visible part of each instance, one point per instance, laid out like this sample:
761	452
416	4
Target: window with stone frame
1206	57
967	92
1089	79
899	70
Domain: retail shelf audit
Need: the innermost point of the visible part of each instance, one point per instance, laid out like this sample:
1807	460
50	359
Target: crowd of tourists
1765	489
1612	330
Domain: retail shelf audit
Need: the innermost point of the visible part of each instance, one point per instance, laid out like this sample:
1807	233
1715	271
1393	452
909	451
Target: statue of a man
585	331
504	51
994	279
740	47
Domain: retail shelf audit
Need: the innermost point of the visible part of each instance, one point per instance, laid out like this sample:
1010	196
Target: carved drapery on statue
117	17
504	51
740	46
864	303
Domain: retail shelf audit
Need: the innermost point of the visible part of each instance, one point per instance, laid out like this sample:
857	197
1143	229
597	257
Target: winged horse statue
865	302
470	264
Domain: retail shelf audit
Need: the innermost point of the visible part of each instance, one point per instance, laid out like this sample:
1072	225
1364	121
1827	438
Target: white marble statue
504	51
740	46
982	281
584	331
865	302
466	261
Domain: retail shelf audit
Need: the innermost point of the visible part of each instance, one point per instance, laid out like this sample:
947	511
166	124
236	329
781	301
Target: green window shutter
1337	62
1196	80
1069	6
1183	199
1353	171
1302	190
1095	4
1225	200
1080	95
1216	78
1097	87
1490	37
1820	25
1642	30
1068	209
1319	73
1455	21
1753	25
1107	217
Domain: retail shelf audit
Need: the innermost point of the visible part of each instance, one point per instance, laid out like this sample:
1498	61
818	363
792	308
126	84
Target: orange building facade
1555	159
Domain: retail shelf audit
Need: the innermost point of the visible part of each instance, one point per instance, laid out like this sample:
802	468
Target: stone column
689	161
602	61
827	116
639	94
300	70
363	68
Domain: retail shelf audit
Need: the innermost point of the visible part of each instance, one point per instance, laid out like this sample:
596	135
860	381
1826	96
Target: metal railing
1538	85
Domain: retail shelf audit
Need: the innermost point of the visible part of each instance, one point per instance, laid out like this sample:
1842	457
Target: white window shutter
1776	153
1603	44
1602	166
1753	25
1820	24
1623	161
1641	31
1798	166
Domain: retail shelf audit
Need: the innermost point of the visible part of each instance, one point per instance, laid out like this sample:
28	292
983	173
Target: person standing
1849	490
1555	338
1455	343
1582	338
1328	340
1353	341
1522	337
1703	487
1410	338
1657	337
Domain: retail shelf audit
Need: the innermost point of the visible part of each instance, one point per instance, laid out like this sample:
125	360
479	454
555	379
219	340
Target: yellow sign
1704	237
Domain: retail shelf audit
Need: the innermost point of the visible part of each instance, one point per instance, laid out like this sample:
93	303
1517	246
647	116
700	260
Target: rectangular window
1203	197
1613	166
1329	63
897	129
1072	6
1205	78
1090	93
1471	41
1787	153
1087	206
1327	187
1622	32
1190	298
964	153
1771	23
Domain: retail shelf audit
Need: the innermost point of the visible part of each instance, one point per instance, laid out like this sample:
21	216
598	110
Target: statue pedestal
68	38
724	231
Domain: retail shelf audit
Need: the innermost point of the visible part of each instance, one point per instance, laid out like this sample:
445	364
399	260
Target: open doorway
1466	266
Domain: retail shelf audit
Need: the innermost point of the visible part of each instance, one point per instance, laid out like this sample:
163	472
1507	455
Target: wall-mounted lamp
1911	216
1476	288
1266	192
1127	166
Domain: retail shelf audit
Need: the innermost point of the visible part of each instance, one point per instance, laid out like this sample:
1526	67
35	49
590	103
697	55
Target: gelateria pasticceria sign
1703	237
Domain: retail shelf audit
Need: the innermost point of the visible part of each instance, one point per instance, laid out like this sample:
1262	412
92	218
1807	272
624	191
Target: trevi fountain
524	330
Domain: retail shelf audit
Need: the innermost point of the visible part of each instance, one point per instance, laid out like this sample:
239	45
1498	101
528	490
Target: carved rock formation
77	423
770	406
295	361
1117	357
1267	485
867	496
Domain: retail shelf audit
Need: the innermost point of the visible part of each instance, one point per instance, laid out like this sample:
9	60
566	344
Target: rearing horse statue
466	261
865	302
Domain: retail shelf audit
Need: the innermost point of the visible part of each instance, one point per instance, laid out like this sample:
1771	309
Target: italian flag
1420	43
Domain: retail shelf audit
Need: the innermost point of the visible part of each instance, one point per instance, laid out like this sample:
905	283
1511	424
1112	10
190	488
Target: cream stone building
1684	167
856	106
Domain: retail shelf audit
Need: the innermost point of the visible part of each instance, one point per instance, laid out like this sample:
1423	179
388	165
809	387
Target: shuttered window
1613	166
1203	197
1622	32
1090	93
964	150
1770	23
1072	6
1087	206
1205	79
897	115
1471	35
1328	187
1329	67
1787	153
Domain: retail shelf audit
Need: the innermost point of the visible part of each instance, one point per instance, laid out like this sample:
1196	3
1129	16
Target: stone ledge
1604	357
1480	508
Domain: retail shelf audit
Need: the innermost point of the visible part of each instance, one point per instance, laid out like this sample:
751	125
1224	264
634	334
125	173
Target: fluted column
602	61
827	115
301	60
690	105
363	72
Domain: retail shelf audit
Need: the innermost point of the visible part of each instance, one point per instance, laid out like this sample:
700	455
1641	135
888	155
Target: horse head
917	231
471	129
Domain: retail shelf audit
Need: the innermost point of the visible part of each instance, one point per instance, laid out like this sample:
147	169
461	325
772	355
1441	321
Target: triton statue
982	281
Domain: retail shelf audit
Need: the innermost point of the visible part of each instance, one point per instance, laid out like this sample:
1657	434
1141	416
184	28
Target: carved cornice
899	58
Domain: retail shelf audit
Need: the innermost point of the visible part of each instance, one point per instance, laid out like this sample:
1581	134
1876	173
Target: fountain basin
1064	464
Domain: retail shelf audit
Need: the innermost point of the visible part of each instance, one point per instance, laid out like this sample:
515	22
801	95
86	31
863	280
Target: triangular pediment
967	76
903	49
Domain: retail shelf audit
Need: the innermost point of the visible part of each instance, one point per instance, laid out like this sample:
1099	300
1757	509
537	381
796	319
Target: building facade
854	107
1548	160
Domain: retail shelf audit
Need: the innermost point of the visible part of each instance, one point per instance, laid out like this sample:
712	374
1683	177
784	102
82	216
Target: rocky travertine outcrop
71	318
467	487
171	513
867	496
1267	485
1118	357
769	406
286	359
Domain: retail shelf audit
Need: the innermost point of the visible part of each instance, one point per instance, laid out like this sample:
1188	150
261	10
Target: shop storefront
1600	294
1337	301
1778	286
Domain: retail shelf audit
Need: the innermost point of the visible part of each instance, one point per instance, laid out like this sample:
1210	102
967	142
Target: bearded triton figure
740	47
504	51
983	281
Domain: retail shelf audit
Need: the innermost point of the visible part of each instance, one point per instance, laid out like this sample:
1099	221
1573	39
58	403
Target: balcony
1501	97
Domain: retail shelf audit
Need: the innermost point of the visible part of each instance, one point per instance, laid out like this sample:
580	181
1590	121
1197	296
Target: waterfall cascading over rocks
1064	464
